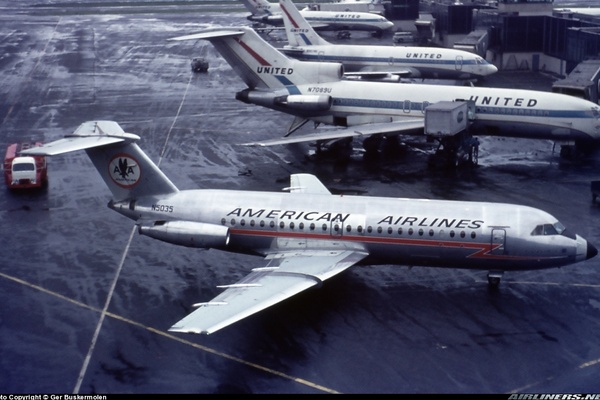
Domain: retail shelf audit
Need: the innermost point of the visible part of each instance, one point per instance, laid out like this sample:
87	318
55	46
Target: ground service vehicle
24	172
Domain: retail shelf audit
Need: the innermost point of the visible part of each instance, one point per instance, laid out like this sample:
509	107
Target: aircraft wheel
494	279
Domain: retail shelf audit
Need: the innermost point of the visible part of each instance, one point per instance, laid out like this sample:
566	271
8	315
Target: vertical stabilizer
261	65
124	167
299	32
260	7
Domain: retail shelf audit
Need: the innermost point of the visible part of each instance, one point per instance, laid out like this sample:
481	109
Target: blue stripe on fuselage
290	86
484	110
385	60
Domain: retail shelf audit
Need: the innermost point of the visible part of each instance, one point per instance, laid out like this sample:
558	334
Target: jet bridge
447	122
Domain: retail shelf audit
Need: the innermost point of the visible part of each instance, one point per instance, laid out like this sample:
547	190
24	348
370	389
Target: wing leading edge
291	268
384	128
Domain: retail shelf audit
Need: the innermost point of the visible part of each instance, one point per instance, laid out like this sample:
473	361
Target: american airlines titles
317	216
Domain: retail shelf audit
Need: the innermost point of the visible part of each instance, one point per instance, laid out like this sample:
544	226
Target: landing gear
494	278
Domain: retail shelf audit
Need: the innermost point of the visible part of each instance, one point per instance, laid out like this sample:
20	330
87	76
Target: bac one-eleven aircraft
316	91
308	235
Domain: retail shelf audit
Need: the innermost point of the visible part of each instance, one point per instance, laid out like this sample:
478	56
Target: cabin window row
336	228
513	111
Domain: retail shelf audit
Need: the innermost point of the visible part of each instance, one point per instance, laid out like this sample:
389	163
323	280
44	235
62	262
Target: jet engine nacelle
302	102
187	233
319	72
306	102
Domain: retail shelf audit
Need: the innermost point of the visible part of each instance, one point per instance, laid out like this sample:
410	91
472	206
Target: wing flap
286	274
387	128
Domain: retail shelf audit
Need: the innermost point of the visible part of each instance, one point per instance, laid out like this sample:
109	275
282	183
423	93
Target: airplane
374	111
379	62
270	13
307	234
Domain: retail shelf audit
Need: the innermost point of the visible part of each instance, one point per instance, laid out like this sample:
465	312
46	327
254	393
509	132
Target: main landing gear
494	278
452	151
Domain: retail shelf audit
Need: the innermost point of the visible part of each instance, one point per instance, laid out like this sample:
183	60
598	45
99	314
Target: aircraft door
458	64
498	241
351	224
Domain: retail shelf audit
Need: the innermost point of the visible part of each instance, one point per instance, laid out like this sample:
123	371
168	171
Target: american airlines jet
270	13
379	62
318	92
307	234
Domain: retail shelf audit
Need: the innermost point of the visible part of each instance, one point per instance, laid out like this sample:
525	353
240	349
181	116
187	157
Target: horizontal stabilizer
387	128
219	32
88	135
71	144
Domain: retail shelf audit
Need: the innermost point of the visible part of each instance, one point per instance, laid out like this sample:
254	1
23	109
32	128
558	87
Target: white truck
24	172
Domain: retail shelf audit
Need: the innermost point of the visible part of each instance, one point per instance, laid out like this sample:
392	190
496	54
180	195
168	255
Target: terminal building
535	35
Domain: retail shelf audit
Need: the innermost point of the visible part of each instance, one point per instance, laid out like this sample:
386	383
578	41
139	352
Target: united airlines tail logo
124	170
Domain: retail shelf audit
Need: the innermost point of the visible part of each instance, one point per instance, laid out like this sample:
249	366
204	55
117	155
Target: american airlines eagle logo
124	170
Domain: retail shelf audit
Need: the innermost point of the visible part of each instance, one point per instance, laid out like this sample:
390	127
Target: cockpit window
479	60
548	229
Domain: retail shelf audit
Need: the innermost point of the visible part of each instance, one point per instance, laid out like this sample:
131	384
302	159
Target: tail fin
125	168
299	32
261	65
260	7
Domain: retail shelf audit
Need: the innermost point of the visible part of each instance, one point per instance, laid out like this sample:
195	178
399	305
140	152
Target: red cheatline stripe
256	56
481	250
289	16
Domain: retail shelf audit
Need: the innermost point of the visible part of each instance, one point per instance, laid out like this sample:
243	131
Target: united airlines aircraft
379	62
270	13
307	234
318	92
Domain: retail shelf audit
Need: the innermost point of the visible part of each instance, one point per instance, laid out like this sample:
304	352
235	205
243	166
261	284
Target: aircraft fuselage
501	112
474	235
438	63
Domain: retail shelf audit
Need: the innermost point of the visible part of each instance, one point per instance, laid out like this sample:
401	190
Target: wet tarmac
385	329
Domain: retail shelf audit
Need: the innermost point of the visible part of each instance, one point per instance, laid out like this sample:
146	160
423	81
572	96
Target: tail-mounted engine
300	102
187	233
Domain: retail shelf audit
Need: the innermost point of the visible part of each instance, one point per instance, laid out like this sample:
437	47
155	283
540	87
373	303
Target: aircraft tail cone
592	251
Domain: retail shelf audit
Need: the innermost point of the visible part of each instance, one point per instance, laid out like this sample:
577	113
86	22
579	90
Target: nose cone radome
490	69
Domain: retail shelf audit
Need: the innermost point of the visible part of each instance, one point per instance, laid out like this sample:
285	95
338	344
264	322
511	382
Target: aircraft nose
491	69
592	251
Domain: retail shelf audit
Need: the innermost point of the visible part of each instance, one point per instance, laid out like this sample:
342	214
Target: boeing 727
379	62
317	91
309	234
270	13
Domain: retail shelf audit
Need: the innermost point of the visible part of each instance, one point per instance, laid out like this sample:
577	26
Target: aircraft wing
293	266
383	128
